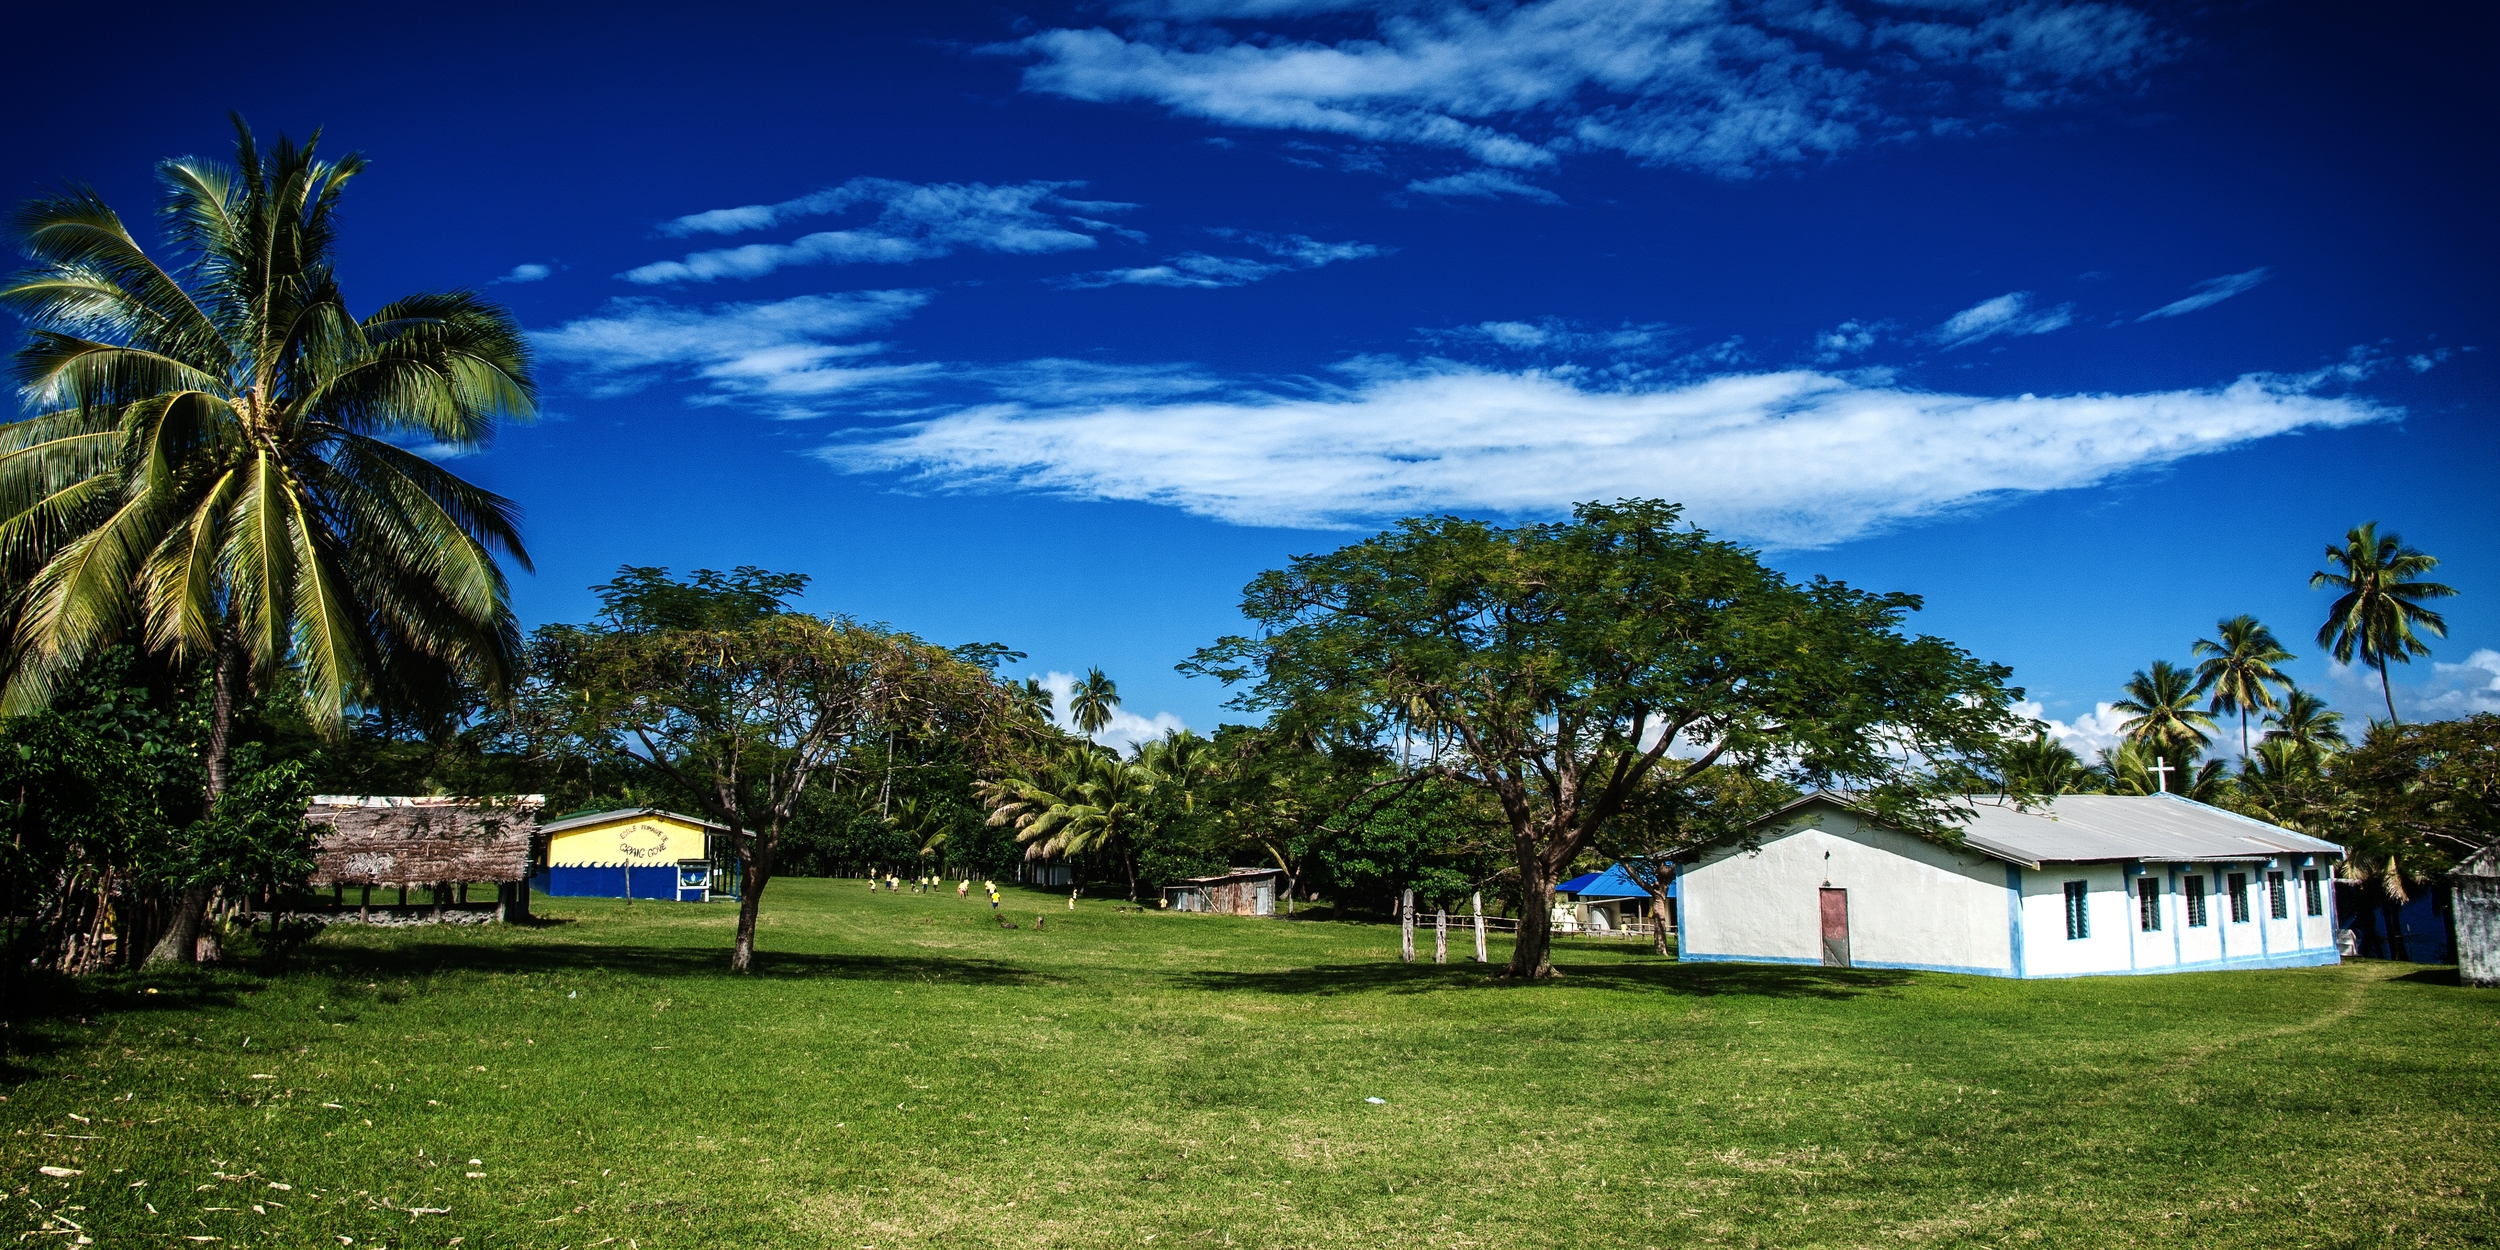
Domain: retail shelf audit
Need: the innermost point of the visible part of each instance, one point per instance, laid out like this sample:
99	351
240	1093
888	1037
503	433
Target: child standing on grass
963	888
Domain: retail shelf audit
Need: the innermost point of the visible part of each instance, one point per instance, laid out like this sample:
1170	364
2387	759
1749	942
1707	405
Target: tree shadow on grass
2433	976
404	959
1685	980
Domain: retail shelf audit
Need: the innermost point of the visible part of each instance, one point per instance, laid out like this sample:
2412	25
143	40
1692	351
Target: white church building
2081	885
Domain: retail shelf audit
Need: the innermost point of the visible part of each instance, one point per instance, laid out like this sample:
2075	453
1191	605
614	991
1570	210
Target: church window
2196	902
2278	904
2309	887
2148	904
2238	885
2078	914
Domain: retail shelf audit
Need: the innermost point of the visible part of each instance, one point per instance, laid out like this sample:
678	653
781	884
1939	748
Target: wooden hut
2474	897
1240	892
446	847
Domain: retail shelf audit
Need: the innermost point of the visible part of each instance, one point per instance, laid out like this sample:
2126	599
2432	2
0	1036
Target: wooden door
1835	927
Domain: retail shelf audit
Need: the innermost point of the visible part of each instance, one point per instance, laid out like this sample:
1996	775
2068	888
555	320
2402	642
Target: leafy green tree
1089	802
1555	666
2162	714
743	704
76	807
2379	616
2413	800
1092	702
256	837
2137	766
208	458
2240	671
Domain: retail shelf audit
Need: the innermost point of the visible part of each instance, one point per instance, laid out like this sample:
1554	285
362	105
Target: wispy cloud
1729	89
2008	315
1849	338
1198	269
1482	184
914	222
783	355
2209	292
1790	459
528	272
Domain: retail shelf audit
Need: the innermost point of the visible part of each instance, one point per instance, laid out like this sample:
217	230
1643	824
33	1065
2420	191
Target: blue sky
1052	325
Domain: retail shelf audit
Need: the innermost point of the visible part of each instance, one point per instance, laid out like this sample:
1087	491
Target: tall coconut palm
2240	671
2042	765
1091	703
2379	617
2307	723
208	458
2162	713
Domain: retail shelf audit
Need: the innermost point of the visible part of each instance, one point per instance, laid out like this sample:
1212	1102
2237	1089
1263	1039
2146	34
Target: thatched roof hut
372	840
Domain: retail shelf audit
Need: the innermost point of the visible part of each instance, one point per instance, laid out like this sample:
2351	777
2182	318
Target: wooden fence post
1406	926
1441	936
1478	904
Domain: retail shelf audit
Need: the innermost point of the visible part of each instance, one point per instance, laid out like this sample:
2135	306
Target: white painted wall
1914	904
1911	903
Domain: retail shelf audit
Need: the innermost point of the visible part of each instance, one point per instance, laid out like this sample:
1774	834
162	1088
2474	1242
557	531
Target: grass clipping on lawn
902	1071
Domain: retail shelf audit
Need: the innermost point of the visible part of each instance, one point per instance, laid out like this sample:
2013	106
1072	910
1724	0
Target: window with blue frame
2237	883
2278	904
2148	904
2309	887
2078	913
2194	895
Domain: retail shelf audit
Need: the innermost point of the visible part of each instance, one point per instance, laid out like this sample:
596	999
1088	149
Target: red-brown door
1835	928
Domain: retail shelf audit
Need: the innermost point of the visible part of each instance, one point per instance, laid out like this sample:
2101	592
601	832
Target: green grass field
901	1072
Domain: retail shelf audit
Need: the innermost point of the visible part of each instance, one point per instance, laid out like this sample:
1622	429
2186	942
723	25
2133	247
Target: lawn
902	1072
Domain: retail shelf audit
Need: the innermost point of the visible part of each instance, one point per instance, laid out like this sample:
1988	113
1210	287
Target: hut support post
1441	936
1478	904
1406	926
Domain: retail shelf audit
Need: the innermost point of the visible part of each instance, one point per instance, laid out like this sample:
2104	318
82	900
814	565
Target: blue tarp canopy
1612	883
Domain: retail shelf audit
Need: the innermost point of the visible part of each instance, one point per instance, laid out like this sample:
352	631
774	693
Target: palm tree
2043	765
207	458
2307	723
1090	705
2162	712
2379	614
2240	672
1084	801
2133	767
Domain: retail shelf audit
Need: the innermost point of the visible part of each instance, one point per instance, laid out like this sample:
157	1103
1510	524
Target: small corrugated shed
378	840
1241	892
2475	894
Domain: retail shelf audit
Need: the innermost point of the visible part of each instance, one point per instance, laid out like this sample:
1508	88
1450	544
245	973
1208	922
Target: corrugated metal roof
2153	827
2076	828
1237	874
601	818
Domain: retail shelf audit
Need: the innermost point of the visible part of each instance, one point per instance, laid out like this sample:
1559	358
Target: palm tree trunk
2243	734
2388	690
181	942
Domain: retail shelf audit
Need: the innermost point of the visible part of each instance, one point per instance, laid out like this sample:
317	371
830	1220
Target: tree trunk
1532	958
180	944
1658	914
2388	690
755	868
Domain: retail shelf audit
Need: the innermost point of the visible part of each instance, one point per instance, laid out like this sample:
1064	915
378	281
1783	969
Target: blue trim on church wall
610	881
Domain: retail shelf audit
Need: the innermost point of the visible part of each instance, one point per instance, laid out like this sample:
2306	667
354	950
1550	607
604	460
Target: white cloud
1729	89
2209	292
2008	314
1850	338
2087	735
914	222
1792	459
1126	728
1483	184
2424	362
528	272
2450	690
1200	270
780	352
